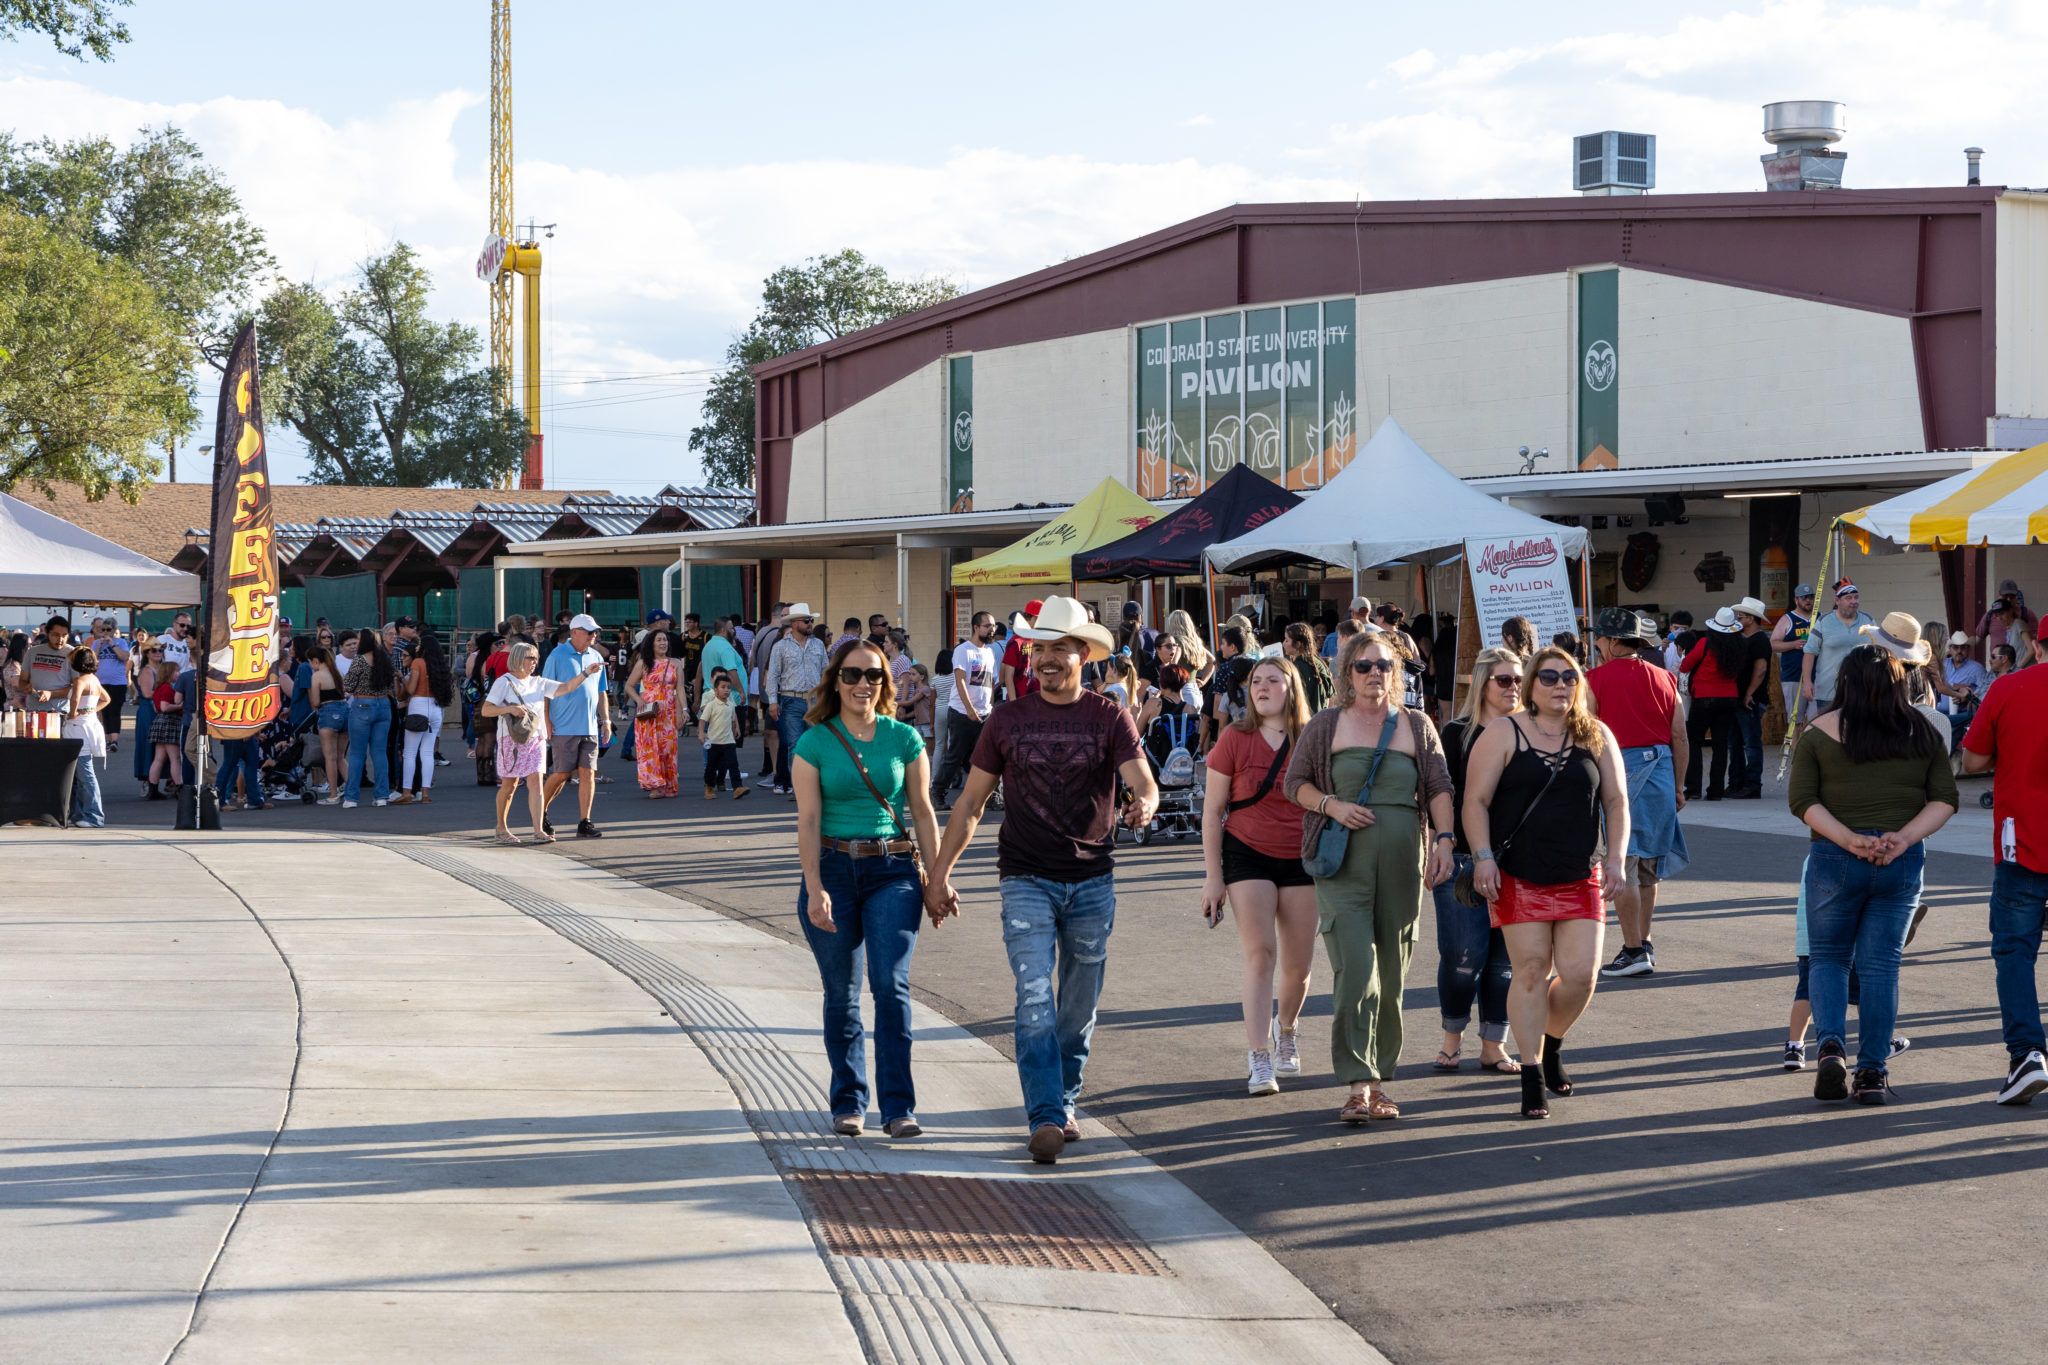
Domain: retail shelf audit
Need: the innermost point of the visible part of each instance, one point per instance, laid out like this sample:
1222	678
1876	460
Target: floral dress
654	737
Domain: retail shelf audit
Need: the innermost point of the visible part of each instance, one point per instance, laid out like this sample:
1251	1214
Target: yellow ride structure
504	256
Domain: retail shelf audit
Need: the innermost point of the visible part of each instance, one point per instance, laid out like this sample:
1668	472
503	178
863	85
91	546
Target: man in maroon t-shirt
1635	697
1016	666
2011	729
1058	752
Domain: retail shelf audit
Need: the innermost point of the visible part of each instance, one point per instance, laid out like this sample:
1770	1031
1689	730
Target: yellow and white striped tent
2002	504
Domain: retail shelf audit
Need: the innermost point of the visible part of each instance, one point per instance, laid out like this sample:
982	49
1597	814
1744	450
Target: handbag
417	723
1335	838
647	710
1462	888
902	831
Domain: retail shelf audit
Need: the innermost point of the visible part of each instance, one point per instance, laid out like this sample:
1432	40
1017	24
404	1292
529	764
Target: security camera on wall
1665	509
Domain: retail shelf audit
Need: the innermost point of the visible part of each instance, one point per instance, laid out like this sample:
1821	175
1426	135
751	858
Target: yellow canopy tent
2005	503
1109	513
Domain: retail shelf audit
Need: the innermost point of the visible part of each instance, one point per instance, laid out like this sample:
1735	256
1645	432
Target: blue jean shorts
333	716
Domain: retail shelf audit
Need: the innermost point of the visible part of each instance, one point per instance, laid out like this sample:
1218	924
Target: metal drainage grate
977	1222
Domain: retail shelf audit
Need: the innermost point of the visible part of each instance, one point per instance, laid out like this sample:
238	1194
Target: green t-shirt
851	811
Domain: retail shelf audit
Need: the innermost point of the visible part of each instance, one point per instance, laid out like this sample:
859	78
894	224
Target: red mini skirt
1523	902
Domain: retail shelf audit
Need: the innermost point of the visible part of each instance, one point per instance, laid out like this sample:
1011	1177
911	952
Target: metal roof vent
1802	131
1614	163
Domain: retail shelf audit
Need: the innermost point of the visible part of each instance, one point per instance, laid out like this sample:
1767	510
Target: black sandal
1447	1061
1553	1066
1503	1065
1533	1104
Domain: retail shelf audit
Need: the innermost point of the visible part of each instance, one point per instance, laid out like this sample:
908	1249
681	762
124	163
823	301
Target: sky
684	151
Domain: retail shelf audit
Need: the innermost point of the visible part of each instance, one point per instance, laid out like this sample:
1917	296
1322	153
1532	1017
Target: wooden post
1469	643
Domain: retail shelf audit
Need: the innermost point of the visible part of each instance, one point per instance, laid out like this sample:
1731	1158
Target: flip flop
512	839
1502	1065
1448	1061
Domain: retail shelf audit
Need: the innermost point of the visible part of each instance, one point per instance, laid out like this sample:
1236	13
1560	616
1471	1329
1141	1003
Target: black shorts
1243	863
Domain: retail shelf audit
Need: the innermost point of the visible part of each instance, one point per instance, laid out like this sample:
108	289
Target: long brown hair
1347	690
1875	710
825	696
1293	711
1580	724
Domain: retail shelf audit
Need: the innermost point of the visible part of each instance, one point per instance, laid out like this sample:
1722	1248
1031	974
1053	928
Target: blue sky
685	151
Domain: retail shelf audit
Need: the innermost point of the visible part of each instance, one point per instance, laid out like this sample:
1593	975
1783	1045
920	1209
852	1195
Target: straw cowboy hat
1749	606
802	609
1061	618
1899	634
1723	621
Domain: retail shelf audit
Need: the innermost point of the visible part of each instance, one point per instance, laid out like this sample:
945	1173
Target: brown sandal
1356	1110
1380	1106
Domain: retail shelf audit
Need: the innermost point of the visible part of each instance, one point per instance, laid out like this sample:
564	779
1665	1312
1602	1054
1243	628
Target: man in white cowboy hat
1058	752
1746	770
1828	642
794	667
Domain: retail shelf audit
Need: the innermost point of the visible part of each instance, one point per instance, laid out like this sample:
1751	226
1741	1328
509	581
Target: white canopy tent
45	560
1392	502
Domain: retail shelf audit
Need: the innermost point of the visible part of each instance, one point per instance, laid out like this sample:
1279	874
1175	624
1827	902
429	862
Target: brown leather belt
870	848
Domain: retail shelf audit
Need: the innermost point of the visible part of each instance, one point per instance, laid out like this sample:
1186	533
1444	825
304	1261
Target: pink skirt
519	760
1523	902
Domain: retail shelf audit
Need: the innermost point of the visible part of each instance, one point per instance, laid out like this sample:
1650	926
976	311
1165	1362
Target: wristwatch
1482	855
1452	837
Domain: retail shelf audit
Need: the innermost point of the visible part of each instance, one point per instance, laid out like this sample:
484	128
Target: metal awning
1902	468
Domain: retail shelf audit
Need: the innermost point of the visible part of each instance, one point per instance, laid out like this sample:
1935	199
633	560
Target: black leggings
1715	717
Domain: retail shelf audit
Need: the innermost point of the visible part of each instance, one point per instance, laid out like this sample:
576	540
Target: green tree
801	305
91	365
380	392
75	26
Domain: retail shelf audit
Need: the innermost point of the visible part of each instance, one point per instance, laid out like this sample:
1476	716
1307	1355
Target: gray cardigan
1312	760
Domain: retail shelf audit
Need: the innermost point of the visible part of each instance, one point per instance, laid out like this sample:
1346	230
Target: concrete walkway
288	1096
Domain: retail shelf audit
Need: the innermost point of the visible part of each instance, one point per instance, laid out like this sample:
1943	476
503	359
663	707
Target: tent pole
1209	595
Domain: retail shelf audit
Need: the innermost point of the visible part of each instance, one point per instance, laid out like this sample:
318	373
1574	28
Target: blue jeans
86	810
145	716
369	732
246	757
1056	930
2018	896
789	723
1858	912
877	906
1748	756
1471	962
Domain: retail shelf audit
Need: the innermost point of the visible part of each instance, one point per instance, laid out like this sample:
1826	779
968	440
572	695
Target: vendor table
35	779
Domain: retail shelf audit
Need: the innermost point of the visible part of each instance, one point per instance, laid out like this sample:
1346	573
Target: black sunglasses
1372	666
1551	677
851	676
1505	680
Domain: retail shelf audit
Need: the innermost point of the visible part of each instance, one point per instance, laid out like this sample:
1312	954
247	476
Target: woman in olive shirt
1871	777
862	893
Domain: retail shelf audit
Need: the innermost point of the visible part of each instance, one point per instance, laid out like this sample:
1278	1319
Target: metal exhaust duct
1802	133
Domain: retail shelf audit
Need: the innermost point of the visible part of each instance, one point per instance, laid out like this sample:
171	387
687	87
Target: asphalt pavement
1690	1200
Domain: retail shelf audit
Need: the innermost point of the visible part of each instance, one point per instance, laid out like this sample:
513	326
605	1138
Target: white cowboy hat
1063	618
1723	621
1900	635
797	609
1749	606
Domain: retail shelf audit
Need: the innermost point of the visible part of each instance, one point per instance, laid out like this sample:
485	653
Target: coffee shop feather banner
242	694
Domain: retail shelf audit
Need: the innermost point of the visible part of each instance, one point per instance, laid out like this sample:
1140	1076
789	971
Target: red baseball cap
1032	608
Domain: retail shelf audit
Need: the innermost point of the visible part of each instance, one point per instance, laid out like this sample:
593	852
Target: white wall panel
2022	368
882	456
1051	419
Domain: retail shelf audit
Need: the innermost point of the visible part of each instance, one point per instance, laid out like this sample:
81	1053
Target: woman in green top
1871	777
862	893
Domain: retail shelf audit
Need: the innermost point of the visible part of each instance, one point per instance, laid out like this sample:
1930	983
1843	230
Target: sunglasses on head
1363	666
1552	677
851	676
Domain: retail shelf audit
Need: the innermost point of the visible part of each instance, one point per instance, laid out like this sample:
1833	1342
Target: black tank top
1556	843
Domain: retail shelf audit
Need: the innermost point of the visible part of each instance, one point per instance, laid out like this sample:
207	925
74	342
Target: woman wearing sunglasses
1540	781
1471	956
857	771
1371	766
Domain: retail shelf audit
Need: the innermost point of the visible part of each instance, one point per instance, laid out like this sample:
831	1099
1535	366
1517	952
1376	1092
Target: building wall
2022	365
807	476
1710	374
1051	419
1471	371
878	458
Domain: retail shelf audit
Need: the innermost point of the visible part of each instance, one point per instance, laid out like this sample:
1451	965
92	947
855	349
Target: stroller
285	768
1168	746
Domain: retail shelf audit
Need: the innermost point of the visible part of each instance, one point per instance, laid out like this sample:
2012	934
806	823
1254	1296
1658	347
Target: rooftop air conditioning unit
1614	163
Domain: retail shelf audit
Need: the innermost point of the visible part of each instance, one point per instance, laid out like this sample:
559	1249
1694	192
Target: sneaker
1071	1130
1900	1042
1795	1056
547	827
1047	1142
440	762
1260	1062
738	792
380	801
2026	1078
586	830
1630	962
348	805
1287	1051
1832	1083
905	1127
847	1125
328	801
1870	1087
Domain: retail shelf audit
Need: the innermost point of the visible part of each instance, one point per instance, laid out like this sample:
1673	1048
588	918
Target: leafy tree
380	392
91	365
801	305
75	26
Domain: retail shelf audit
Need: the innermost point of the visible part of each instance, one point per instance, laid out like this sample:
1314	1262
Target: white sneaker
2027	1078
348	805
328	801
1261	1065
1286	1051
380	801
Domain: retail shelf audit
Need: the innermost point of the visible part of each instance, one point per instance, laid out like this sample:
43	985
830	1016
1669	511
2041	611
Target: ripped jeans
1056	932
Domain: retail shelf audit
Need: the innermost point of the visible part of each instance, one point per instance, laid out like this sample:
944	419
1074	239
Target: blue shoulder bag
1335	838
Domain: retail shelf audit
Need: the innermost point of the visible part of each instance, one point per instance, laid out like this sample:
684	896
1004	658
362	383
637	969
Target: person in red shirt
1716	662
1251	847
2011	730
1016	666
1636	697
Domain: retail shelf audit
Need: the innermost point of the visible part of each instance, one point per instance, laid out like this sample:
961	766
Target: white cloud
1198	121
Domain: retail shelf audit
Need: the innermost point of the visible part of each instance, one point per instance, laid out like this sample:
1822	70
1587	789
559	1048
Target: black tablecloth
35	778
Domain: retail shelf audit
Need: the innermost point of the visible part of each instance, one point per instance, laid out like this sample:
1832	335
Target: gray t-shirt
1829	641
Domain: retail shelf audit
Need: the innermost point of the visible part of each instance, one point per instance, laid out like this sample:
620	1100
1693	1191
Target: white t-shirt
176	651
531	692
978	662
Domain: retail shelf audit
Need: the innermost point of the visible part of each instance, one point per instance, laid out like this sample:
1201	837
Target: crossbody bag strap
1272	776
1530	809
862	768
1372	774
